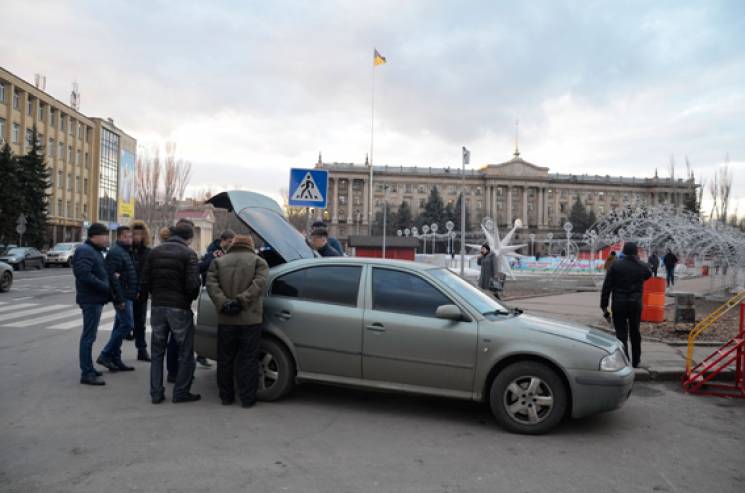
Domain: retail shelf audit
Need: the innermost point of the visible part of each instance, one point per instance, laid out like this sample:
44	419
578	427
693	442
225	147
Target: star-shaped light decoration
501	246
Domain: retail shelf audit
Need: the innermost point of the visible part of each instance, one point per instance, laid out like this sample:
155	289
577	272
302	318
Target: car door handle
283	315
376	327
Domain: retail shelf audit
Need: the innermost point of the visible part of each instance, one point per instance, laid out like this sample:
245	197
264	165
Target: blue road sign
308	187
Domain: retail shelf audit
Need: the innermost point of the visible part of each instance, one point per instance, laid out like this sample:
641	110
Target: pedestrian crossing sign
308	187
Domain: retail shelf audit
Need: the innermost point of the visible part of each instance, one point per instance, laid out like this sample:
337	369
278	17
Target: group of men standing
170	275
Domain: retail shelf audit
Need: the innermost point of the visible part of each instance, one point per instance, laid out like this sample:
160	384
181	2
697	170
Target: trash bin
653	300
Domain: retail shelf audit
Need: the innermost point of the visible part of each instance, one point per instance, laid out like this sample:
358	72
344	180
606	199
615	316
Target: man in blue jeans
92	293
122	274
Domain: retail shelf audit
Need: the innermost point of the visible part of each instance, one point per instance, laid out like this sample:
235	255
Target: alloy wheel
268	371
528	400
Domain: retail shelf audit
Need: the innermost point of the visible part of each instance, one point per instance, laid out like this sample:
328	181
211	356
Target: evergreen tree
33	184
578	217
457	213
591	219
10	195
404	216
391	222
434	210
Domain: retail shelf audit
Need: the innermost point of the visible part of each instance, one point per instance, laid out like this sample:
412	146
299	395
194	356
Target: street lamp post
451	243
415	232
549	238
433	228
568	228
425	230
385	213
532	244
466	160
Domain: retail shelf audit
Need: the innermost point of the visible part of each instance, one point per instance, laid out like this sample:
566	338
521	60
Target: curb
673	374
674	343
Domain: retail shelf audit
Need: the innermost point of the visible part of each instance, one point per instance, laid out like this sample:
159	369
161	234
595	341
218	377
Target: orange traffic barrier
653	300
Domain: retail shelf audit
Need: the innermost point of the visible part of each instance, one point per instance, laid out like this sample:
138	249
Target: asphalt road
57	435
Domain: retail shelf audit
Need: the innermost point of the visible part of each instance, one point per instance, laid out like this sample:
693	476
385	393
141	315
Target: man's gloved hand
231	307
606	314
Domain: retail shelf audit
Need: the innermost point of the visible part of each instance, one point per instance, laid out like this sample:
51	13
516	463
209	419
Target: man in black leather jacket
625	279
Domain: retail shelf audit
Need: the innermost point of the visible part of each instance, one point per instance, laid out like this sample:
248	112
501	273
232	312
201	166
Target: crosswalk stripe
32	311
48	318
16	307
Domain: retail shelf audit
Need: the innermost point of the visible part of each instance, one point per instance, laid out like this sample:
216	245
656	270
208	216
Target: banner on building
126	187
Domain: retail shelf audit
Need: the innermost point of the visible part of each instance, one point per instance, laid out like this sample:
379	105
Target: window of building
61	151
41	112
29	137
62	120
52	117
77	157
80	131
422	189
51	148
85	210
108	174
69	209
60	179
408	188
16	137
60	212
401	292
335	285
16	100
77	184
87	161
77	210
478	191
342	199
88	132
500	191
40	139
479	204
2	93
69	182
451	189
30	106
69	154
2	129
421	203
73	125
562	207
85	185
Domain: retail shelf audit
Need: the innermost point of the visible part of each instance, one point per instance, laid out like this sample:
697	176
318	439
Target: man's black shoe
91	380
203	362
187	398
98	373
142	355
130	336
122	367
104	361
228	402
171	379
158	400
248	405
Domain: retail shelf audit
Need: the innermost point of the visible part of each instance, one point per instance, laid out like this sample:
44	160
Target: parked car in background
61	254
22	258
6	277
418	328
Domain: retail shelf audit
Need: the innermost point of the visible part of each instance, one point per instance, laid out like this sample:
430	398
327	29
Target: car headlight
613	362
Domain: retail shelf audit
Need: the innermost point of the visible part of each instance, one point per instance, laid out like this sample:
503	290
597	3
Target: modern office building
505	192
83	155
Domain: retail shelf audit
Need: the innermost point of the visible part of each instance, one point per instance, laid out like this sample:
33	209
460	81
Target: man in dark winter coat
625	280
217	248
92	293
488	279
319	242
123	280
654	263
335	244
235	283
670	260
140	251
171	276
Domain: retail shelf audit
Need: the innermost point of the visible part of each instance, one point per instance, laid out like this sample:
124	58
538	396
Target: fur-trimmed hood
139	224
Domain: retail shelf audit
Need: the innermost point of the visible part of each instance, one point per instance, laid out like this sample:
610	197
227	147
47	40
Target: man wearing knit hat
625	280
235	283
92	293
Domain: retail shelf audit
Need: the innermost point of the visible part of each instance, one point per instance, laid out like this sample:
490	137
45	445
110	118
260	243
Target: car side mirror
449	312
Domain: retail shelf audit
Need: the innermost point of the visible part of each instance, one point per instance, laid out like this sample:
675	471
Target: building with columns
505	192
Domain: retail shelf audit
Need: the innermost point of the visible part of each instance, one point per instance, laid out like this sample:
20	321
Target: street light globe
414	231
407	232
531	236
568	226
433	227
453	234
449	225
550	236
518	223
399	233
488	224
425	229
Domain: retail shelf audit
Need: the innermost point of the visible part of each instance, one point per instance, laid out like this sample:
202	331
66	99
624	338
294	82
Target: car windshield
16	251
62	247
477	298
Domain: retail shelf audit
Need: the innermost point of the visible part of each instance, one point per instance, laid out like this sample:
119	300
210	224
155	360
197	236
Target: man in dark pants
670	260
654	263
235	283
625	279
92	293
123	280
171	276
140	251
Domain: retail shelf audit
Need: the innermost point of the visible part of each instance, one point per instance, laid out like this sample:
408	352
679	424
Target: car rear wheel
68	264
6	281
528	397
276	371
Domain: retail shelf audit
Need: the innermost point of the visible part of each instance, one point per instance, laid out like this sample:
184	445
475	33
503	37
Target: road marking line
16	307
33	311
49	318
107	316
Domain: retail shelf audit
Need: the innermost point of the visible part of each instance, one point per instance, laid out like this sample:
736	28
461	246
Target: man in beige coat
236	284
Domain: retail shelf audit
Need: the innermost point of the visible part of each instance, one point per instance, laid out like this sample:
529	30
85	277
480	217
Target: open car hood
265	218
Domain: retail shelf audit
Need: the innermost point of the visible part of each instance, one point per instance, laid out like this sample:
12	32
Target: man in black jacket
625	279
140	251
319	242
92	293
216	249
171	276
123	280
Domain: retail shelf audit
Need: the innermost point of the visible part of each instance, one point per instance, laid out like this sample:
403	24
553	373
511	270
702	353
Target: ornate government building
505	192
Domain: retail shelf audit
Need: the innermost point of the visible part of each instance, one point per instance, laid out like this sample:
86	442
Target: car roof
405	264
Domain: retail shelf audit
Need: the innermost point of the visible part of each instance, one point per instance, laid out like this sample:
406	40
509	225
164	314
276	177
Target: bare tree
297	216
147	178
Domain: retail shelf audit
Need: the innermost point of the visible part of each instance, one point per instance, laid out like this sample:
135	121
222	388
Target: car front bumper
595	391
56	260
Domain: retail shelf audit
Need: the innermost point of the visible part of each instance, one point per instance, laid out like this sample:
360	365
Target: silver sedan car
417	328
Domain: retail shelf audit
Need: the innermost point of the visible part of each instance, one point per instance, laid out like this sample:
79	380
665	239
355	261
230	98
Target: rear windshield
63	247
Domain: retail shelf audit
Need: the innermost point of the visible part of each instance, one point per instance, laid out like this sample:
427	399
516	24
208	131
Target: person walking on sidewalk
670	260
140	251
91	294
171	276
625	281
489	275
654	263
123	280
235	283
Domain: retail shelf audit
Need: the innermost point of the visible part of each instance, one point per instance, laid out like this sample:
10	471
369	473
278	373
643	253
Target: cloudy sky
251	89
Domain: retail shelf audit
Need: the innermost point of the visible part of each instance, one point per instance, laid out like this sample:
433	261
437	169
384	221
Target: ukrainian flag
378	59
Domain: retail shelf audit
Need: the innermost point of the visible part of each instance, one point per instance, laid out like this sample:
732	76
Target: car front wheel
6	281
276	371
528	397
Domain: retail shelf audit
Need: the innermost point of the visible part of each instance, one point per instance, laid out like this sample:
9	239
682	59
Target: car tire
6	281
276	371
22	266
528	397
68	264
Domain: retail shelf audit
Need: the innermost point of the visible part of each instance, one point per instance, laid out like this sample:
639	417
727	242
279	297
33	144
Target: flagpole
372	147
